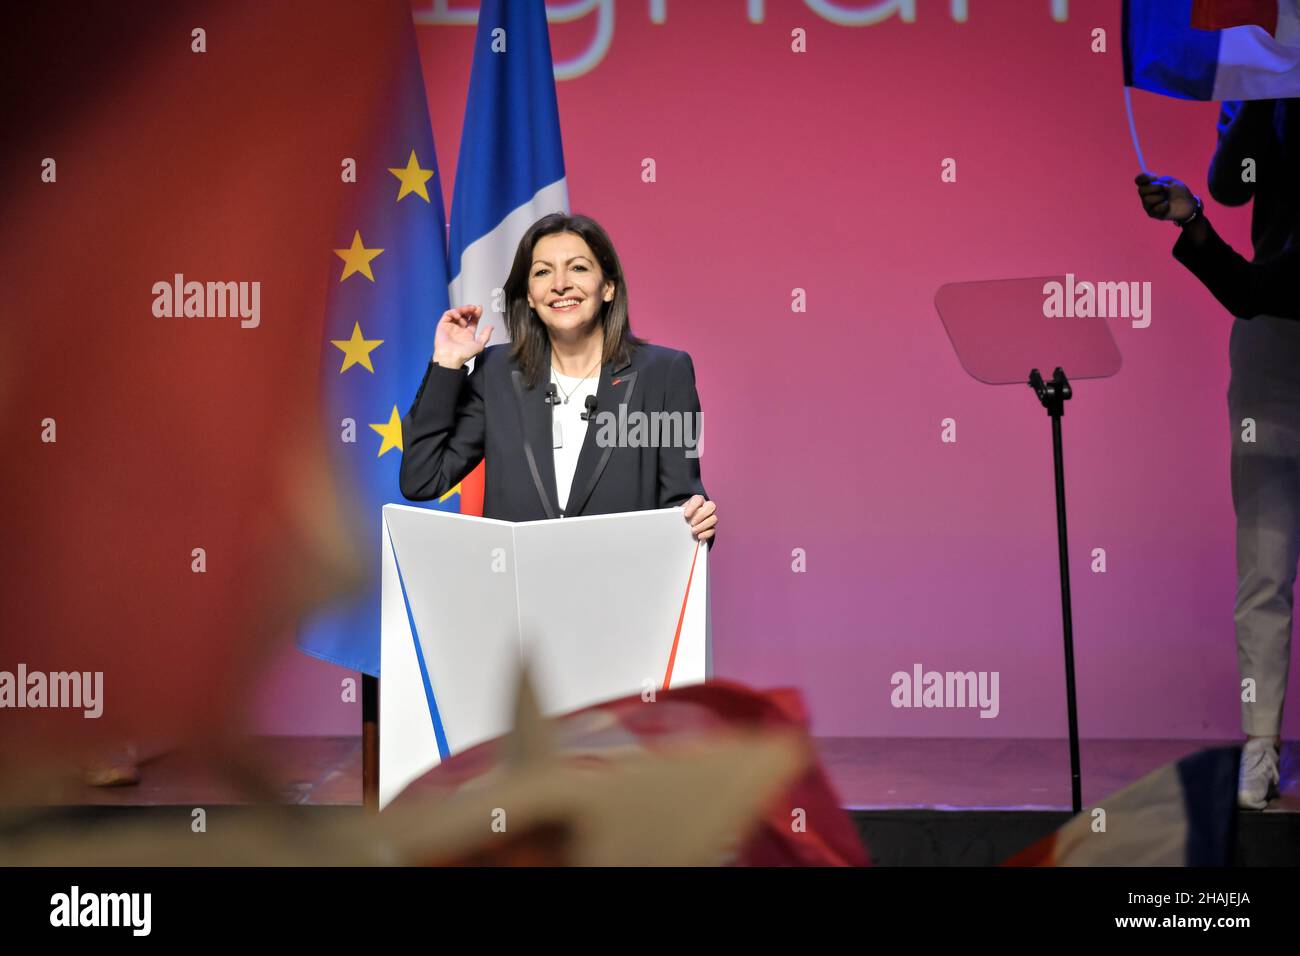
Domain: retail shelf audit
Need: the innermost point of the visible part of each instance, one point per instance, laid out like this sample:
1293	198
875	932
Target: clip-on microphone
552	395
590	413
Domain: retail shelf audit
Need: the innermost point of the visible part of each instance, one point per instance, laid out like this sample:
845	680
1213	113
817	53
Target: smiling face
566	285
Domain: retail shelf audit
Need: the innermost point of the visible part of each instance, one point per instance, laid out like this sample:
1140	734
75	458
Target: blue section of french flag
1209	783
510	171
1252	51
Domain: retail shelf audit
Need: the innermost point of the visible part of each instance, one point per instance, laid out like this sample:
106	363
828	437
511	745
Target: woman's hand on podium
702	515
458	338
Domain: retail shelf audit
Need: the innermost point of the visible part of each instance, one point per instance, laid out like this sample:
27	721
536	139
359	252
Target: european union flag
388	287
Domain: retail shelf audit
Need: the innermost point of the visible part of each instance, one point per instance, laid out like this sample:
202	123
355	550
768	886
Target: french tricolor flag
510	171
1213	49
1183	814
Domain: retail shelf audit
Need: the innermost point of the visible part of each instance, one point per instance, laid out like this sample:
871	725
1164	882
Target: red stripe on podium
672	658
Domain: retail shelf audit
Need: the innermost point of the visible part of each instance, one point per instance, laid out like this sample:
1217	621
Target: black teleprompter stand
1053	395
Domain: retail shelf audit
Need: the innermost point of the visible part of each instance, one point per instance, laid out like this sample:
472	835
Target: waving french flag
1213	49
1183	814
510	171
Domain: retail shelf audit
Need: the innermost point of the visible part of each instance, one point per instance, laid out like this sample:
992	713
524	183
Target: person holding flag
1246	55
1248	132
1264	354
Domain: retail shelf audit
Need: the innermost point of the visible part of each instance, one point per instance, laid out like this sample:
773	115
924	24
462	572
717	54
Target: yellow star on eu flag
356	350
413	179
357	258
392	433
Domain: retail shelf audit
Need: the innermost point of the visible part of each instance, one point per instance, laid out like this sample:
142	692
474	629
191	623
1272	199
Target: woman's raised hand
458	337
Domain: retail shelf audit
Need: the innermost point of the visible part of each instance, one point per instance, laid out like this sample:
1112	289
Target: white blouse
568	430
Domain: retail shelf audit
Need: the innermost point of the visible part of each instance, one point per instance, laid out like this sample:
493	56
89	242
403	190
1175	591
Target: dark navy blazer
460	418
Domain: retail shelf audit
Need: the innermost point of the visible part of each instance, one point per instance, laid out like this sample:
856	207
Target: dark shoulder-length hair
530	342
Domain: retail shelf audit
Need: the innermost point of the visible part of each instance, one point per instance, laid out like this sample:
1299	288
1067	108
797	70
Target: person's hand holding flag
1164	197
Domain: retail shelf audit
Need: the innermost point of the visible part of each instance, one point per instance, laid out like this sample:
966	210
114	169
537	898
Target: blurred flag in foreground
799	822
171	512
387	279
728	777
1183	814
1213	49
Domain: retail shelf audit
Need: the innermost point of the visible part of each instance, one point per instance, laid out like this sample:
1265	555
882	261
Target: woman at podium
576	415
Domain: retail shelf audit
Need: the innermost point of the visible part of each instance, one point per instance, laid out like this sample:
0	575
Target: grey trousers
1265	389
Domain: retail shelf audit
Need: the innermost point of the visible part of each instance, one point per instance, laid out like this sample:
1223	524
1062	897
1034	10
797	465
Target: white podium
600	607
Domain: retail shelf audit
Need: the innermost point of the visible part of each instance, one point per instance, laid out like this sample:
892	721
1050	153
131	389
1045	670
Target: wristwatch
1196	211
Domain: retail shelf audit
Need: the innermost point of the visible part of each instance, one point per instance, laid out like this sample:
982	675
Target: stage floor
868	773
915	801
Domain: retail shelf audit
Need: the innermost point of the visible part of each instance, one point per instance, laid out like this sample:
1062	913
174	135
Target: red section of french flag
682	718
1222	14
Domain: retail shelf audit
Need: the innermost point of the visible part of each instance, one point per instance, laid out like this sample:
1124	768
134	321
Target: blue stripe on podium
443	750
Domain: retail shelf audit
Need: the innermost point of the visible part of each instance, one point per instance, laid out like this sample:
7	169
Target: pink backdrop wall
821	171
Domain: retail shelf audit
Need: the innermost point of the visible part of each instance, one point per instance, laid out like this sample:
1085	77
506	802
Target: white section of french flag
486	262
